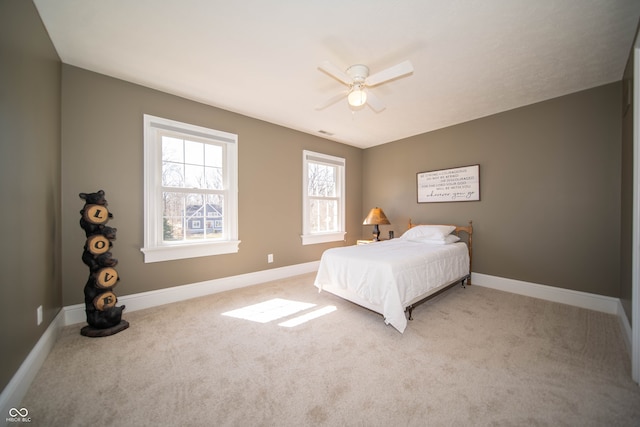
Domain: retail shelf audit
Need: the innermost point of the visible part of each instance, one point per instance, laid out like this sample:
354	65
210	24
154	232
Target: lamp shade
357	97
376	216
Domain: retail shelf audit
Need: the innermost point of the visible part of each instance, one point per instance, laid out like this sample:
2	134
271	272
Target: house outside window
323	196
191	194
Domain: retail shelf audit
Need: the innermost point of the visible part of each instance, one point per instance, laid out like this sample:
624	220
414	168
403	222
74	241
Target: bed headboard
467	229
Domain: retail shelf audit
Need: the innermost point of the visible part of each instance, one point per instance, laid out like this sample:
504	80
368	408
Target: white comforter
393	273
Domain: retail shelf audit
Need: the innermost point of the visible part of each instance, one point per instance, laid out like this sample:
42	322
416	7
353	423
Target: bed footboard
462	280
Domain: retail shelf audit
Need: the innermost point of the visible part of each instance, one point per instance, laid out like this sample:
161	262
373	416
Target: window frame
155	248
311	238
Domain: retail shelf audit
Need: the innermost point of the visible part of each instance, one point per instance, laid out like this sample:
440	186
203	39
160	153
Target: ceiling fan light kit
357	78
357	97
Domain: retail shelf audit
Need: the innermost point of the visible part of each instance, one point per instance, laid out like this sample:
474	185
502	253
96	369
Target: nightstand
364	242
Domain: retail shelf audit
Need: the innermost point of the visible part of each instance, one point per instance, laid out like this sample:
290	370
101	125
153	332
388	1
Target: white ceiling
471	58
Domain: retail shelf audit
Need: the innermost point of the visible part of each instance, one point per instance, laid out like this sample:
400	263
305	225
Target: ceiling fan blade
332	100
374	102
335	72
391	73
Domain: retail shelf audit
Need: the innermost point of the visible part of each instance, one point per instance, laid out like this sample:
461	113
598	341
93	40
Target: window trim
309	238
155	249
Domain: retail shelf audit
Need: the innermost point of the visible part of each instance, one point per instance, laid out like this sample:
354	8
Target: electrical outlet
39	315
270	258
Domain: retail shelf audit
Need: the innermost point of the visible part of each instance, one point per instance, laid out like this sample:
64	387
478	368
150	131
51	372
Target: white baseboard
17	388
626	328
76	313
549	293
586	300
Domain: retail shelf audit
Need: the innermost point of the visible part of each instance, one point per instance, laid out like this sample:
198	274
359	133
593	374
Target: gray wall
102	149
550	189
29	182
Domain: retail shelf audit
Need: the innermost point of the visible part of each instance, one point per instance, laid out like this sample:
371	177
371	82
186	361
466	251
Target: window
191	191
323	198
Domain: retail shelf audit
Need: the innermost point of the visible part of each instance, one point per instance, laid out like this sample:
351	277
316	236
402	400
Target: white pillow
451	238
428	232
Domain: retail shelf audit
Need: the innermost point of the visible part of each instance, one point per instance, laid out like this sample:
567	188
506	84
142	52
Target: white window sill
312	239
193	250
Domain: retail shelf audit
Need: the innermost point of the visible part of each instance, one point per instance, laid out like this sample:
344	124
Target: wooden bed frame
466	279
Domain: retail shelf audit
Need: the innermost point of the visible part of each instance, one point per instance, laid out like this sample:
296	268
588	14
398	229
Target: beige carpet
471	357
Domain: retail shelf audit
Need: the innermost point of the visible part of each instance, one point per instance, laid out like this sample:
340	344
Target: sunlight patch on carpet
267	311
279	308
308	316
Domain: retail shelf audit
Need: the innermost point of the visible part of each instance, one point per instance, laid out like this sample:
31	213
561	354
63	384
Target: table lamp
376	217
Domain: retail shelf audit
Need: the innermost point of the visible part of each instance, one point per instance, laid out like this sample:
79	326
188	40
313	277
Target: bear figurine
96	198
103	317
96	262
90	199
108	232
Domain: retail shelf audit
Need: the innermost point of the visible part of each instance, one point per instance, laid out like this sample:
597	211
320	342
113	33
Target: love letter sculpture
103	316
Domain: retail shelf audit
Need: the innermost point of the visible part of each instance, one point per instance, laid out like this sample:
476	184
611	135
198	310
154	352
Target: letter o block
97	244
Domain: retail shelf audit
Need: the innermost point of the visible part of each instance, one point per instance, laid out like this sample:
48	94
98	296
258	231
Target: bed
393	276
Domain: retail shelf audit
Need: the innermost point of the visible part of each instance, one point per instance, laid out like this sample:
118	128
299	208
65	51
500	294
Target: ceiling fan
358	80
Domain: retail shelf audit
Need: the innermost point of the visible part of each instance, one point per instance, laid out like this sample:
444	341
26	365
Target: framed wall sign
449	185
